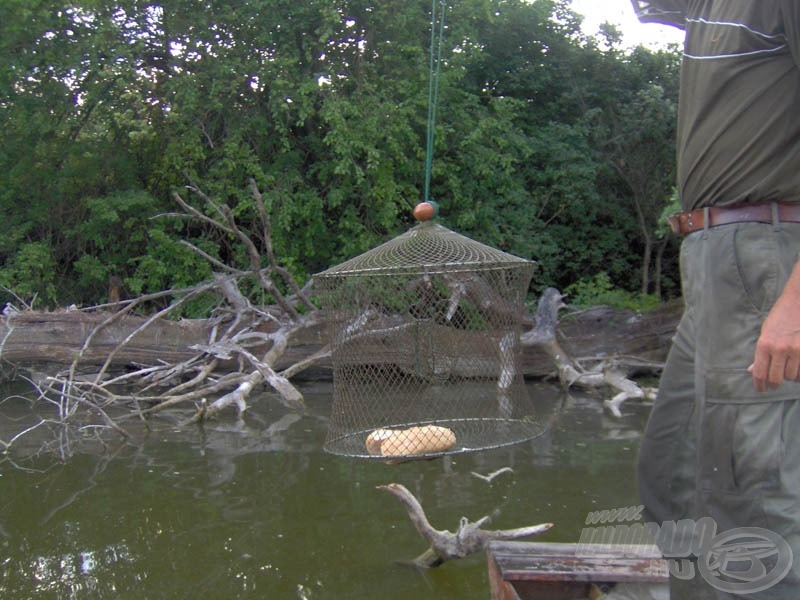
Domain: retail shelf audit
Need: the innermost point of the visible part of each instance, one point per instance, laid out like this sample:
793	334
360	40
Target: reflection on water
256	509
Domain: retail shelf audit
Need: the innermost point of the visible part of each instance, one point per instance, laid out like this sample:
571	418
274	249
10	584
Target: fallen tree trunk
32	338
55	338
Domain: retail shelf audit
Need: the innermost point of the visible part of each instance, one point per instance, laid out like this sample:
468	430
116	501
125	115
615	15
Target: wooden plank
500	589
559	572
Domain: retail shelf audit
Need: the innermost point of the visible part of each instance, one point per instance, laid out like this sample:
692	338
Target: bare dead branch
307	362
215	262
159	315
488	478
446	545
227	224
240	333
196	214
266	225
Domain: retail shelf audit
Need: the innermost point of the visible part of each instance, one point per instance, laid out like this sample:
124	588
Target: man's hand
777	357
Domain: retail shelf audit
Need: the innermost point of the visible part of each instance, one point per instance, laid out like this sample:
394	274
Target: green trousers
714	448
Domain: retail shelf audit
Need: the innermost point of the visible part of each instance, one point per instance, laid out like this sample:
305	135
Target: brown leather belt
686	222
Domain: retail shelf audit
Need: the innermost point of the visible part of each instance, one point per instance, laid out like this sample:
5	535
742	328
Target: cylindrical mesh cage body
425	334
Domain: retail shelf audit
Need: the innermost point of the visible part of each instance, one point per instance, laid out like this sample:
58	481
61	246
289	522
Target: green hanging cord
433	90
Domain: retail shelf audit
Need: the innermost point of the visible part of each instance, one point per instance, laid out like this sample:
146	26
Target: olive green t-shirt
739	112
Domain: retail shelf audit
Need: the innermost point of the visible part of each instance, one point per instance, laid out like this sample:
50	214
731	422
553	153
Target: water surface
257	510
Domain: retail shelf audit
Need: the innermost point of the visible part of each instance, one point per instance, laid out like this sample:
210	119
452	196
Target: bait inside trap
425	346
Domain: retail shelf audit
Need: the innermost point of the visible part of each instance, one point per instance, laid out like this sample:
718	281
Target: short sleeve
666	12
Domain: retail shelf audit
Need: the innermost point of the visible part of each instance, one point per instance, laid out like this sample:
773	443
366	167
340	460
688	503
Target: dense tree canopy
548	144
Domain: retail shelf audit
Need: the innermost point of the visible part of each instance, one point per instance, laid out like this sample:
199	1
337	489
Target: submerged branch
446	545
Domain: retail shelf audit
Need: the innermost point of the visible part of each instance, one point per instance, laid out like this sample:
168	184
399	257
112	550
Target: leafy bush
31	274
599	290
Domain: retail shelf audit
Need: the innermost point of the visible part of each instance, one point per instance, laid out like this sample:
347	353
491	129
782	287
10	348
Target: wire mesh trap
425	346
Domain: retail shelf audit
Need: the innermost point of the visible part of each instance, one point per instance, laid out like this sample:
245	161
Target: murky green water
260	511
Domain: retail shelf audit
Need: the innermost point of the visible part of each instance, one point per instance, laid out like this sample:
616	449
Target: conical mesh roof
427	248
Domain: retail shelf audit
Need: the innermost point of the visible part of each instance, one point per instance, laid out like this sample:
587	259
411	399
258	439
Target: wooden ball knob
425	211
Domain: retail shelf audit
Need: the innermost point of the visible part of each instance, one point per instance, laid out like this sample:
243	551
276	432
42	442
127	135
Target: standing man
723	440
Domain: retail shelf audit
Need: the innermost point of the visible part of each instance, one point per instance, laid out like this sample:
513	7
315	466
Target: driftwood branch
239	343
447	545
488	478
216	363
608	372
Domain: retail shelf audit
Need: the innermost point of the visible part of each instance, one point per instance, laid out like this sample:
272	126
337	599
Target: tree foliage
547	142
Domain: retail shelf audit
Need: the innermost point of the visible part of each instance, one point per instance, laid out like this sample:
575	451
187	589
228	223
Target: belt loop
776	218
706	221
